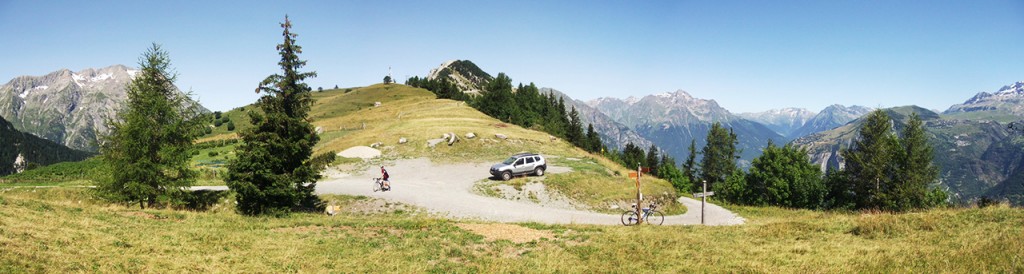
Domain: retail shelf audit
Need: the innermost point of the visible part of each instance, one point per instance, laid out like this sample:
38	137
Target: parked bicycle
650	214
378	185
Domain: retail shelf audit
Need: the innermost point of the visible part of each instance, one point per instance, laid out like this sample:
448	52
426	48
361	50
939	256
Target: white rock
402	140
501	136
375	145
319	130
445	136
470	135
364	152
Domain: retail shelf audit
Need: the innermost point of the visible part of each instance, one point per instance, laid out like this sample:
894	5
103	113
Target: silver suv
523	163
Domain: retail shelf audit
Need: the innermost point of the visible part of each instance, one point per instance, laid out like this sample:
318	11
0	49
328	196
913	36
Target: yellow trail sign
632	175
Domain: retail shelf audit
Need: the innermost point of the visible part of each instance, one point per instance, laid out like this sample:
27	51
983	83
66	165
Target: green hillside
34	152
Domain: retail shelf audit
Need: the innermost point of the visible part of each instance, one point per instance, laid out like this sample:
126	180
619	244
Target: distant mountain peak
1007	101
67	107
464	73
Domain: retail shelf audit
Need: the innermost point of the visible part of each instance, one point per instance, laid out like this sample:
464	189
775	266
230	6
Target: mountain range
68	108
977	155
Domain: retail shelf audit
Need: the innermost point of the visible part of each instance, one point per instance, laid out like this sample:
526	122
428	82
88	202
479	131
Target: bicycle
650	215
378	185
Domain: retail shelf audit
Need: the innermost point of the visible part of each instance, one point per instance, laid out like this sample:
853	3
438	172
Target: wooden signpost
703	198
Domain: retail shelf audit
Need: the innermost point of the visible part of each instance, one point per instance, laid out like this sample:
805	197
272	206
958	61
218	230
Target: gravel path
447	189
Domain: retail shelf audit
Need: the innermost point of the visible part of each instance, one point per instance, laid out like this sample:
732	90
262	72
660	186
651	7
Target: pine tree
719	155
574	132
915	169
690	169
870	162
273	172
150	142
593	140
653	160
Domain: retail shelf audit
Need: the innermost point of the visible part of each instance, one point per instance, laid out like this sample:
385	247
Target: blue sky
747	55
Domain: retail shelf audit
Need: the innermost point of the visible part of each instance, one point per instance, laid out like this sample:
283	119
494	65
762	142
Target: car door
520	166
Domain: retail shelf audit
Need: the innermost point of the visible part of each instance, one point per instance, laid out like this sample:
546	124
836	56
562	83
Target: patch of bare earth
513	233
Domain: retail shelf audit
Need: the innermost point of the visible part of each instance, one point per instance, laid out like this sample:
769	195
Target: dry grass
62	230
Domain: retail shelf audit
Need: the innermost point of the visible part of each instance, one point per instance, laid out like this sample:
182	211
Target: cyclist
385	177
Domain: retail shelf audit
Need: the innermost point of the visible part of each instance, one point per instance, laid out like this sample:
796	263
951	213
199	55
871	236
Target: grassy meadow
65	230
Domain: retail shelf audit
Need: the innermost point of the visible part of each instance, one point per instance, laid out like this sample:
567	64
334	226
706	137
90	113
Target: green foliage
273	172
734	189
231	126
387	79
719	155
652	161
150	142
690	168
783	176
441	87
217	114
668	171
887	172
593	141
93	169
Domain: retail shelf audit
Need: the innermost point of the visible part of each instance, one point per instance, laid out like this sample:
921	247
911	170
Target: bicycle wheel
376	186
629	218
655	218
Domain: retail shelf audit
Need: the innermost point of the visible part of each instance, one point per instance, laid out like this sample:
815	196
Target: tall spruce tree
690	168
870	163
150	142
593	140
652	161
719	155
915	169
273	172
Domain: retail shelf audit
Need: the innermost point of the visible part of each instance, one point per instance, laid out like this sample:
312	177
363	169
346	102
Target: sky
749	56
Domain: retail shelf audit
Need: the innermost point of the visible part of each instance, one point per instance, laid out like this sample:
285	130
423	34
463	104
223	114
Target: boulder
375	145
402	140
501	136
470	135
452	139
319	130
445	136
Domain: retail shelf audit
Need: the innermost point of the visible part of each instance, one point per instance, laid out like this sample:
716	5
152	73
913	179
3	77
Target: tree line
521	105
884	170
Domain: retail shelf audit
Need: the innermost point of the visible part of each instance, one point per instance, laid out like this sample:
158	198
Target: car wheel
506	175
539	171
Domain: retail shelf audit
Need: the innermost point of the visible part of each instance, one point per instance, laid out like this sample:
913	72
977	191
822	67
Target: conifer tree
274	172
915	169
150	142
870	162
593	140
653	160
574	132
690	169
719	155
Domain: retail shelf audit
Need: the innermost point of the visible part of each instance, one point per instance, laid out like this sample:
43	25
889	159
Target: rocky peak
466	75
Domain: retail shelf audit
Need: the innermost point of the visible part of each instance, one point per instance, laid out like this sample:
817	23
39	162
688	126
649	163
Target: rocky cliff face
829	118
68	108
20	151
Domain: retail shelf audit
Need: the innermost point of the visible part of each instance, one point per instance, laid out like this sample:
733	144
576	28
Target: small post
639	197
703	199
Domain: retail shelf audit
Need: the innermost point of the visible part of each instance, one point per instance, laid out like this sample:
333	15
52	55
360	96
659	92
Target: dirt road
447	189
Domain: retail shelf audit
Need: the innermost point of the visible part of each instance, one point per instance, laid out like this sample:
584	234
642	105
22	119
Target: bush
231	126
213	153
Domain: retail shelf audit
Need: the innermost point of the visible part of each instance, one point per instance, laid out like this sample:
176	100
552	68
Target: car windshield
509	161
